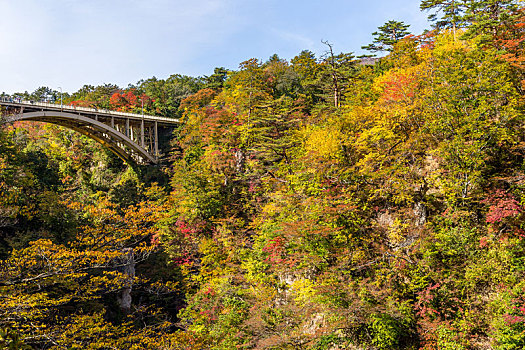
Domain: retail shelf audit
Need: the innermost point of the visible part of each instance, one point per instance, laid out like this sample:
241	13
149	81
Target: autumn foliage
316	203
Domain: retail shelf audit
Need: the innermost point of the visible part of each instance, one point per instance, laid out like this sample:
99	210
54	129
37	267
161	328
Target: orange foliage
513	40
127	101
399	87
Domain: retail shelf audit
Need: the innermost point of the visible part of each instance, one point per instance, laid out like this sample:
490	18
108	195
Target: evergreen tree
490	17
387	35
335	74
217	79
448	13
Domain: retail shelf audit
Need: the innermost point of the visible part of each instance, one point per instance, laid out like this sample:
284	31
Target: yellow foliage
304	291
445	44
323	141
396	233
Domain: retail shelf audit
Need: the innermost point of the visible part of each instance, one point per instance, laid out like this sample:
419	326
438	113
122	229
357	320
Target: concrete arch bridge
132	137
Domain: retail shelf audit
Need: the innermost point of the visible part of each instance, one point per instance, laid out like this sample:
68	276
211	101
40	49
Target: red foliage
81	103
200	99
425	300
426	40
209	291
483	242
513	41
435	307
189	230
216	125
252	186
275	250
502	205
516	314
183	259
400	87
127	101
183	241
117	100
33	130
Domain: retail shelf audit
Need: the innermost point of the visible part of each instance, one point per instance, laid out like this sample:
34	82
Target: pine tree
451	13
336	73
489	17
387	36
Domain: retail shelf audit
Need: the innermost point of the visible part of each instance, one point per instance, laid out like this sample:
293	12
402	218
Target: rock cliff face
127	268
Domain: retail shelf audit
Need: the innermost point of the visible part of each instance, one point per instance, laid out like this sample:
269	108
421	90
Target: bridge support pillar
142	133
127	127
156	141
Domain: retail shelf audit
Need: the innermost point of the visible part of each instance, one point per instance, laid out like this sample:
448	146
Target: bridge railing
85	109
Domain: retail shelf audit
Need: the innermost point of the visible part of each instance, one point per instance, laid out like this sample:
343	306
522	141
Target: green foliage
448	13
508	325
217	79
489	19
385	332
387	36
335	75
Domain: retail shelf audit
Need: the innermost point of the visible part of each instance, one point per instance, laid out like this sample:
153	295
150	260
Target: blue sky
69	43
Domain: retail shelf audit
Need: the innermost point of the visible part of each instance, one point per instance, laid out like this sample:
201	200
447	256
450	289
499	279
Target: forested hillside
328	202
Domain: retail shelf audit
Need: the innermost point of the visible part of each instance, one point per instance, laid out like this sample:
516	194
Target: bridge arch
106	135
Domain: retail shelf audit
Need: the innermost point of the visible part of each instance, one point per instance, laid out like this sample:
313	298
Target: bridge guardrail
86	109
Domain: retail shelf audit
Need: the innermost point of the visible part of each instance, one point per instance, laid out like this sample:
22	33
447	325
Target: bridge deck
30	105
